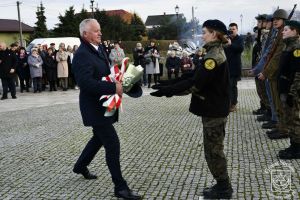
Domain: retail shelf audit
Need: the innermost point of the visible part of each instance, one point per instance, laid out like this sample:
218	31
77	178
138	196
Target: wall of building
9	38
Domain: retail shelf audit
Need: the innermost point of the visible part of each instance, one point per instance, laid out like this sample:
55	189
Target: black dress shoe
14	97
127	194
259	111
85	173
3	98
274	130
218	192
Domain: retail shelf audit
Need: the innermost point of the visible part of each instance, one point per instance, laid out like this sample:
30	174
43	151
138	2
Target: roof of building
125	16
155	20
12	25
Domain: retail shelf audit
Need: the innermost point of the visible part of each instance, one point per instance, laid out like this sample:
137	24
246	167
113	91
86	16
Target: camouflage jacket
289	64
295	82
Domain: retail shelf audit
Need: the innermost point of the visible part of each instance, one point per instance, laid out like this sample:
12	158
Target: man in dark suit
90	64
8	64
233	50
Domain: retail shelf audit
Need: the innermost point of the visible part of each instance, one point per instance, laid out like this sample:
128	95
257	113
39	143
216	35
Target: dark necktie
100	49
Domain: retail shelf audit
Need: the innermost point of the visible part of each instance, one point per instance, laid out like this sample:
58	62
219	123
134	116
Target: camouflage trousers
214	133
262	93
294	115
291	117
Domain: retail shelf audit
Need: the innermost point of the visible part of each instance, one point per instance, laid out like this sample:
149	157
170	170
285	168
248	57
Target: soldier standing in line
268	37
289	87
271	71
210	100
256	56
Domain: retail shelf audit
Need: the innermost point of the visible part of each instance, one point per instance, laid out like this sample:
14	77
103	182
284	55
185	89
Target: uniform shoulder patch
296	53
210	64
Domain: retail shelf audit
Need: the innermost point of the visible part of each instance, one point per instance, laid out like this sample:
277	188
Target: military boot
259	111
265	117
292	152
278	135
221	190
269	125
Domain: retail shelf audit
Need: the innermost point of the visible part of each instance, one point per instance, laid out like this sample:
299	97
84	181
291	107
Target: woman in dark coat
173	64
23	70
139	59
51	68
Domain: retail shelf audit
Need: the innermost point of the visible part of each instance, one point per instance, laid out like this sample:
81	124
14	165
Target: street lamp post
241	16
177	12
92	6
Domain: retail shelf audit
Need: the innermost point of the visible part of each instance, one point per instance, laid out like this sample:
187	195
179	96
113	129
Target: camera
230	32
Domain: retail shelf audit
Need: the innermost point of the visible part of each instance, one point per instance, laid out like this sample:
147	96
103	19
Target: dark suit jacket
233	54
89	66
8	61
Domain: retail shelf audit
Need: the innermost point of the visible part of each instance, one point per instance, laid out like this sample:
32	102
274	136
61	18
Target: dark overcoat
89	66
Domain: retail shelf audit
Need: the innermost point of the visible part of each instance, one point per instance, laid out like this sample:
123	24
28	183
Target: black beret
216	25
269	18
261	17
293	23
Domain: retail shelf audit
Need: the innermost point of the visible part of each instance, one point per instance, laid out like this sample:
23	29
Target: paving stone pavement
162	157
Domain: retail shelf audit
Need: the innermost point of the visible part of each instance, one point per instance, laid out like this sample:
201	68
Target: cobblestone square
41	136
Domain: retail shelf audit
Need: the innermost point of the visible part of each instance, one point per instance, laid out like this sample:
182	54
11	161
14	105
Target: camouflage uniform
261	84
214	133
295	115
289	89
209	85
262	35
289	86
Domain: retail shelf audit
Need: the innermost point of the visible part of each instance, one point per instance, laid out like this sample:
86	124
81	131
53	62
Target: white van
47	41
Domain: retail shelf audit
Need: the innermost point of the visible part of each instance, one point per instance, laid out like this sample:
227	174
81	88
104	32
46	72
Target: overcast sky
225	10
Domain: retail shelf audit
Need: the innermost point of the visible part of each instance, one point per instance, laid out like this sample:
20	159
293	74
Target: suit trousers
233	90
106	136
8	83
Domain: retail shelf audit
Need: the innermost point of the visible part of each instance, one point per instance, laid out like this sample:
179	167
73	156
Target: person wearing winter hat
209	86
271	70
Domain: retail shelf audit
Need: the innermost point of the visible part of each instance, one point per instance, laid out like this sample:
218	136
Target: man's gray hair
83	25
